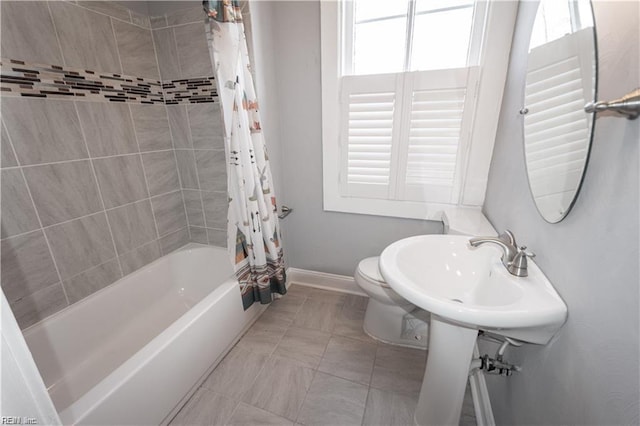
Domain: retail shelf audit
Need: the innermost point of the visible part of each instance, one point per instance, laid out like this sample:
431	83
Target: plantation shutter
371	107
436	134
404	136
556	127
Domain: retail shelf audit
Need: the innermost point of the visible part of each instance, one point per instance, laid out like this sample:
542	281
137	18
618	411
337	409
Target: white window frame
491	70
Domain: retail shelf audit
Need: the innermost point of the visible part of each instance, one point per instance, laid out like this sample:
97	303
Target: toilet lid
369	269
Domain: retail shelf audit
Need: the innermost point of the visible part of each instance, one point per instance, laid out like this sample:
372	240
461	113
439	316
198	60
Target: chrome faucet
514	258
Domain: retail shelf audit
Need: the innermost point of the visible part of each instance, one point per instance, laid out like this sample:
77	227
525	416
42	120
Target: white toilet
389	317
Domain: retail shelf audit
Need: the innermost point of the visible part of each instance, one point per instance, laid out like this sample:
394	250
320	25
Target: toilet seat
369	270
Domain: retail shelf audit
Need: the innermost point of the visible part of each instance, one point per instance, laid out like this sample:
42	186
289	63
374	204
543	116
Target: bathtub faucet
514	258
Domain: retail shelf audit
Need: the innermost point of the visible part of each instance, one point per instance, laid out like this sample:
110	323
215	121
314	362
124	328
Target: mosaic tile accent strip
18	78
193	90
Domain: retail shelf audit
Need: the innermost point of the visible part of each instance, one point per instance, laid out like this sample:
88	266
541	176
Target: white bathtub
132	352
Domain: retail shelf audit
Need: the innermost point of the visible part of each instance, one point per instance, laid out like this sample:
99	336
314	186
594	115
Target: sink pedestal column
446	373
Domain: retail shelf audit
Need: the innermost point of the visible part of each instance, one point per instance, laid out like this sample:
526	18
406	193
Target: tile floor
307	361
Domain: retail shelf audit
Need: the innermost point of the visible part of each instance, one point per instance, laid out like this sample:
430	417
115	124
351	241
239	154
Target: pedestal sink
466	289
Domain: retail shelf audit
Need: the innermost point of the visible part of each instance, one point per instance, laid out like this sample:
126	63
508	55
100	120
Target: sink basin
472	288
465	289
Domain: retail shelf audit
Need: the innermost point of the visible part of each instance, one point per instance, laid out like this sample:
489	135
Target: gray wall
589	374
314	239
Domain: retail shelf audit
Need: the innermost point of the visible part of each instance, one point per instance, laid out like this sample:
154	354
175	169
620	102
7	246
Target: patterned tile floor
307	361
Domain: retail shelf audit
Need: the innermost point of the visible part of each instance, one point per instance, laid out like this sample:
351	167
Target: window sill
463	217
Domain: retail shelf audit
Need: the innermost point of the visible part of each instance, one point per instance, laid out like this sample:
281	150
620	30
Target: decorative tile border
18	78
193	90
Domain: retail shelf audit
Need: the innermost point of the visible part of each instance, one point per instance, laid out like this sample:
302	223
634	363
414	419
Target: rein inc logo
15	420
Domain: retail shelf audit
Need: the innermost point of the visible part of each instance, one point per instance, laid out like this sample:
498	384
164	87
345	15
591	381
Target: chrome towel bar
628	105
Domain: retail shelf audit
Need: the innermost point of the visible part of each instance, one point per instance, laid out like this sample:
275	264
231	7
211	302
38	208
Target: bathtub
133	352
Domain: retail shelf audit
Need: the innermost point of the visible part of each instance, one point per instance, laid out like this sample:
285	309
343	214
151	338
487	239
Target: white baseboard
480	393
323	281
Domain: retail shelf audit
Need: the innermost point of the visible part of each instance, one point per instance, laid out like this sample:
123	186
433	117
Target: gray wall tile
132	225
186	16
187	168
215	209
193	53
18	214
152	127
198	235
167	54
43	130
158	21
108	128
138	257
174	241
37	306
179	125
107	7
27	265
28	33
88	282
212	170
86	38
168	210
121	179
81	244
217	237
63	191
141	20
161	171
8	158
206	126
135	46
193	205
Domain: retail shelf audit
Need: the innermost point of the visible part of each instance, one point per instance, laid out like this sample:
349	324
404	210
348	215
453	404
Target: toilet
388	314
390	318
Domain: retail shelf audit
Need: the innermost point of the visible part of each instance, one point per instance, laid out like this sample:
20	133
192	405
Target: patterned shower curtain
253	233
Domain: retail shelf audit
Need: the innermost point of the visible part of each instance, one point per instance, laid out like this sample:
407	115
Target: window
396	36
401	84
556	19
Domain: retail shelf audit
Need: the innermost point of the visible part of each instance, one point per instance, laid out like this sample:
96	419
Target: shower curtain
253	231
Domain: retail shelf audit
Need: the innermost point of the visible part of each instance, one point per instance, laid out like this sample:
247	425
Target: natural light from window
391	37
557	18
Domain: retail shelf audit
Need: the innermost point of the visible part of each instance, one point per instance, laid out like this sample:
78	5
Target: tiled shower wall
91	189
195	128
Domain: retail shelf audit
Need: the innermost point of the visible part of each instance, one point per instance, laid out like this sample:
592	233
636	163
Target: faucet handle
518	266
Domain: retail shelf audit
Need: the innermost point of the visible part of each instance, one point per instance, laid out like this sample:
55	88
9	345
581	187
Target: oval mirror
561	79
